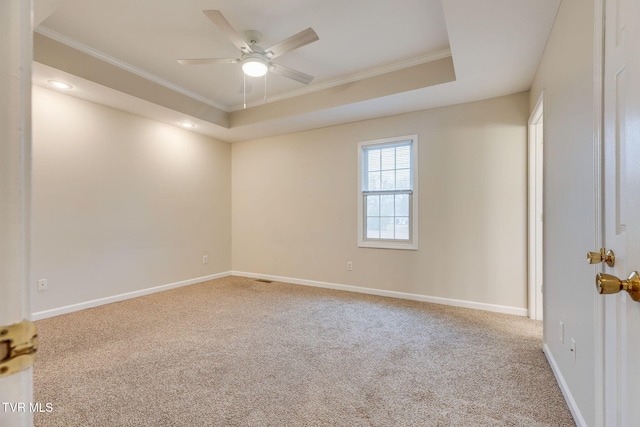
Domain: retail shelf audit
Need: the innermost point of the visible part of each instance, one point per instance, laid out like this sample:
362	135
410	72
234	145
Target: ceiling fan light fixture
256	60
254	66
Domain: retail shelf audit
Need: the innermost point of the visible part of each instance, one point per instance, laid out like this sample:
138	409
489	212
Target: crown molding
430	57
125	66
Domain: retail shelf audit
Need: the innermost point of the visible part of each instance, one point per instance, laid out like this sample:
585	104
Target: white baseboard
121	297
393	294
518	311
568	397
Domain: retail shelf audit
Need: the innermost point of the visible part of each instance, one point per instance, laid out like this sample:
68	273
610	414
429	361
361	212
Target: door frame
603	401
535	210
15	192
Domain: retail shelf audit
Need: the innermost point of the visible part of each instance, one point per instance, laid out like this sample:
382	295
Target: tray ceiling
493	48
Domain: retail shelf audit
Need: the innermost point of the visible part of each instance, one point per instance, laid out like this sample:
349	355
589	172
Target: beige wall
566	75
295	205
122	203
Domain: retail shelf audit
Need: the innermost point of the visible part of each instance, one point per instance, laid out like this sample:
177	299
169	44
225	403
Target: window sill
388	245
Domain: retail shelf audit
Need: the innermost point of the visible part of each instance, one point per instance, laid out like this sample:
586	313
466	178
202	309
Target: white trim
518	311
535	185
601	404
15	191
121	297
125	66
571	403
391	244
430	57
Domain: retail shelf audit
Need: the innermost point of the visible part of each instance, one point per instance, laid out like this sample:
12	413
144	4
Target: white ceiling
495	46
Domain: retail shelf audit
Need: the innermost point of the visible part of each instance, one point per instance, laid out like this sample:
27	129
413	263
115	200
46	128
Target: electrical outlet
349	266
42	285
561	332
205	259
573	350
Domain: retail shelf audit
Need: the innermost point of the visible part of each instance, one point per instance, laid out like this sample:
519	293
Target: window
388	196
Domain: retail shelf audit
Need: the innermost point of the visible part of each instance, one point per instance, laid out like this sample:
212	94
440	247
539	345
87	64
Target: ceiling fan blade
300	39
246	86
204	61
218	18
291	73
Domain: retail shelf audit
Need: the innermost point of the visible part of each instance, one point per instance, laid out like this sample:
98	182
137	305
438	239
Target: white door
622	208
15	143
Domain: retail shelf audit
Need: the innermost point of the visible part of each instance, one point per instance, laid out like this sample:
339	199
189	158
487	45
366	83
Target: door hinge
18	345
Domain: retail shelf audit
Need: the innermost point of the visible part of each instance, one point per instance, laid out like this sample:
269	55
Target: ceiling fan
255	60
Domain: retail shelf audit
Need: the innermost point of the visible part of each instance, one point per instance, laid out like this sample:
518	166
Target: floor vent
263	281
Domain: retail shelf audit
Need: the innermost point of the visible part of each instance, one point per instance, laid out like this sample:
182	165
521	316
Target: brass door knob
609	284
608	257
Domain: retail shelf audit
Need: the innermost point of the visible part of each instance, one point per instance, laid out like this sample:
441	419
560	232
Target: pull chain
244	90
265	87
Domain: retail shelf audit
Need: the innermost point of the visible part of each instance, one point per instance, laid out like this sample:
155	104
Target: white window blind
387	193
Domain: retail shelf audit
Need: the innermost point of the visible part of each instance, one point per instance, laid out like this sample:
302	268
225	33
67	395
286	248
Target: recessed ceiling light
187	125
60	85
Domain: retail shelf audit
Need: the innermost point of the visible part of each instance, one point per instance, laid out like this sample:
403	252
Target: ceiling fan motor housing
252	37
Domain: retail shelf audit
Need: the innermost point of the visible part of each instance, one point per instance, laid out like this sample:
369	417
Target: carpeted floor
238	352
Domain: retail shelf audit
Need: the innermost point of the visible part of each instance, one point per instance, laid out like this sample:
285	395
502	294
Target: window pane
373	160
403	179
388	158
373	181
373	228
387	173
402	205
388	180
386	228
402	227
373	205
386	205
403	157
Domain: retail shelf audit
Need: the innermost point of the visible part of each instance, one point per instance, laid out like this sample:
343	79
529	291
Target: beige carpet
237	352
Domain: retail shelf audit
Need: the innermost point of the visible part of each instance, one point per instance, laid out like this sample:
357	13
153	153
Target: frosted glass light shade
254	67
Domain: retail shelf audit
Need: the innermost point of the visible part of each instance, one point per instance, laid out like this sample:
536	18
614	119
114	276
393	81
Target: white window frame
363	241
